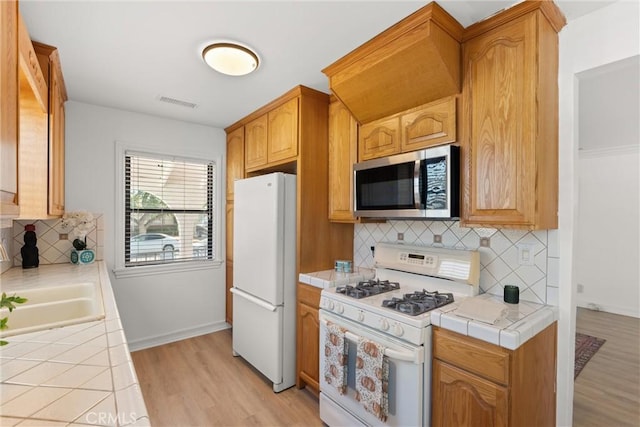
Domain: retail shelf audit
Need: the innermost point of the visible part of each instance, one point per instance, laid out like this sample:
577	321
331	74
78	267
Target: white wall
158	308
602	37
608	250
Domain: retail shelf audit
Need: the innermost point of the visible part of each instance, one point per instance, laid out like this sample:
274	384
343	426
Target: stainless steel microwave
421	184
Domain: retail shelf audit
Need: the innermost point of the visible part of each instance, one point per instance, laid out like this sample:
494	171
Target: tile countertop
522	322
331	278
75	375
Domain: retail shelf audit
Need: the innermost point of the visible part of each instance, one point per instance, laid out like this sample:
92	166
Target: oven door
408	402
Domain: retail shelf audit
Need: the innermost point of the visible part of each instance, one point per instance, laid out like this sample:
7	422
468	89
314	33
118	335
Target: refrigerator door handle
256	301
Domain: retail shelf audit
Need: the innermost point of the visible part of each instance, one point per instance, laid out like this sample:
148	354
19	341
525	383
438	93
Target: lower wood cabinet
308	334
480	384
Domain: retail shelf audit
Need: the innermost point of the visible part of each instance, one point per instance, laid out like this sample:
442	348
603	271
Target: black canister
511	294
29	251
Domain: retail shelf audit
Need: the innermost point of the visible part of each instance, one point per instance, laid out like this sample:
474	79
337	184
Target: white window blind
169	209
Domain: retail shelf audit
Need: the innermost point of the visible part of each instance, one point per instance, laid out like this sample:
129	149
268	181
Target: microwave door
387	190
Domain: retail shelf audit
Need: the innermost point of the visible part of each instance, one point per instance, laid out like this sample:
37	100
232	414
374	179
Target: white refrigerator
264	276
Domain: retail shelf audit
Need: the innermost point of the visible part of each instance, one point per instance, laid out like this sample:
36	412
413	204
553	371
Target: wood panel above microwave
413	62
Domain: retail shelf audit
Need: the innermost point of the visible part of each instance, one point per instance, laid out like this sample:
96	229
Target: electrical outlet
580	288
63	236
437	238
400	237
525	254
485	242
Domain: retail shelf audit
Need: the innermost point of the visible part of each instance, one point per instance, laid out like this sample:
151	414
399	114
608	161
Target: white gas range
408	279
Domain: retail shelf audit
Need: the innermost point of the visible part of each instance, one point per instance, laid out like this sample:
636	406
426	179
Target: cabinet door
429	125
9	109
283	132
56	143
255	134
235	159
500	103
343	140
462	399
378	139
308	333
229	263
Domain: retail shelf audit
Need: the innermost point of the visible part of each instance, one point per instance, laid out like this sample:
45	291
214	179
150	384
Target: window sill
178	267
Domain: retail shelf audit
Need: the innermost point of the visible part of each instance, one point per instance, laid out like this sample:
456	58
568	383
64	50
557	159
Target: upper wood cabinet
343	153
420	127
510	123
429	125
480	384
413	62
256	143
49	60
272	138
9	109
379	138
282	141
235	159
33	144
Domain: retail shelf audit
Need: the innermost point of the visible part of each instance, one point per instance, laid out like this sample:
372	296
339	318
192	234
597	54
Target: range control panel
418	259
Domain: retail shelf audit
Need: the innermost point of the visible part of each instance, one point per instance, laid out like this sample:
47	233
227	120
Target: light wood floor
607	391
197	382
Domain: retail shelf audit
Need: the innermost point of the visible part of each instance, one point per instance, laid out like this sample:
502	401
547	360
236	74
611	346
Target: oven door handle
415	356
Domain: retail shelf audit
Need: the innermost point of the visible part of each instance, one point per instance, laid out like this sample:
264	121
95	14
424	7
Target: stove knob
339	308
331	305
384	324
397	330
360	316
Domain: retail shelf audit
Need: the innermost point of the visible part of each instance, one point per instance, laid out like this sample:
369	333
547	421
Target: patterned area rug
586	347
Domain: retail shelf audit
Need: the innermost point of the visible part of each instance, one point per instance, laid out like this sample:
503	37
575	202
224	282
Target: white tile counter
522	322
74	375
331	278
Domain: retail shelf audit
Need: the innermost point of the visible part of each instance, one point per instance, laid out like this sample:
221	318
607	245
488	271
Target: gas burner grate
368	288
418	302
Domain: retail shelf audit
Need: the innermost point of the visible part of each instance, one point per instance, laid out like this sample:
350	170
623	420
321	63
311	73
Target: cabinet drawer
473	355
309	295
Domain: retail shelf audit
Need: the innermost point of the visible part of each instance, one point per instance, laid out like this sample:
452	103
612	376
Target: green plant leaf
2	342
3	322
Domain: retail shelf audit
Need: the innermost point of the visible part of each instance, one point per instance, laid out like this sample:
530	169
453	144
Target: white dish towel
483	310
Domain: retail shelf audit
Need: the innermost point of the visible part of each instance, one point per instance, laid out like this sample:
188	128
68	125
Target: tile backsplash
51	248
499	265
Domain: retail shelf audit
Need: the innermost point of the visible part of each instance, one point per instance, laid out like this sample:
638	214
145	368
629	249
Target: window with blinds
169	209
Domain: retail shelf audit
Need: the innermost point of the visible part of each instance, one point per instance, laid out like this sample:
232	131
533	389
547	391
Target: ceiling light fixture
230	58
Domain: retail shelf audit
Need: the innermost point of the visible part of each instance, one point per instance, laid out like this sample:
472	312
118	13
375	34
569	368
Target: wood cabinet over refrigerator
510	118
295	128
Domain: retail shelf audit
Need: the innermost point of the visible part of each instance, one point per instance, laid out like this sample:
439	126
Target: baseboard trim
623	311
182	334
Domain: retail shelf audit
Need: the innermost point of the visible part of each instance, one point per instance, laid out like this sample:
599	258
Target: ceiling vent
177	102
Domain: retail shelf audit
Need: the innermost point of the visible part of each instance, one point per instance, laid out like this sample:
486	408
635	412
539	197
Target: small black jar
29	252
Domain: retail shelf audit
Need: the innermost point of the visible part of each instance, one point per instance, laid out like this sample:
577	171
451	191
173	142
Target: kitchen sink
53	307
